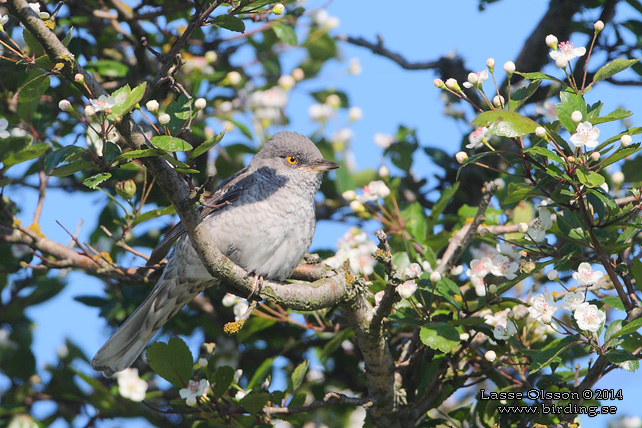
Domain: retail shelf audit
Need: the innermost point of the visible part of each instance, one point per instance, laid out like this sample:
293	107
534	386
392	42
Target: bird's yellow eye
292	160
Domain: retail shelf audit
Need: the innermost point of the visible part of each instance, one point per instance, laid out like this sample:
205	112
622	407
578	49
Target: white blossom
193	391
358	249
552	275
407	289
383	140
567	51
320	112
103	103
342	136
355	67
4	124
373	191
589	317
268	105
476	79
130	385
480	267
572	300
286	82
585	135
240	309
585	275
354	114
541	305
503	332
503	266
477	137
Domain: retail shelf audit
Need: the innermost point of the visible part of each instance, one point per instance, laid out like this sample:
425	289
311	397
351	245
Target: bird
262	218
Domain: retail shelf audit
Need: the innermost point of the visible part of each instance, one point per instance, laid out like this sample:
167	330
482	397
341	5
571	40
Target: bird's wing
226	193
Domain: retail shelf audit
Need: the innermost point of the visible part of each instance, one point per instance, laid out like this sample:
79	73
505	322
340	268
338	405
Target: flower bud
552	275
439	83
540	131
211	56
546	319
595	155
152	106
298	74
522	227
90	111
65	105
234	78
492	289
464	337
498	101
126	189
626	140
164	118
354	114
576	116
200	104
509	67
384	171
551	42
278	9
286	82
349	195
357	206
452	84
461	157
599	26
79	78
618	178
490	63
490	356
333	100
473	78
435	277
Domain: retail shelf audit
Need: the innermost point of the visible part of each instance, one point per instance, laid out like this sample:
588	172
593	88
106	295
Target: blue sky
388	96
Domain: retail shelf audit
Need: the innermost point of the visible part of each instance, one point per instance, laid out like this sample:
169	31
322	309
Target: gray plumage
262	218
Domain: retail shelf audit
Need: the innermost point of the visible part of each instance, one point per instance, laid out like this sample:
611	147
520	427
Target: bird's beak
323	165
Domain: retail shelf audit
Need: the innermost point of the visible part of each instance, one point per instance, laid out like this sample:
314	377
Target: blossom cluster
357	249
499	261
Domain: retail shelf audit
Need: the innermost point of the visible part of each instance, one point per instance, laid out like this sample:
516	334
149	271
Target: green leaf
520	96
33	43
439	206
440	336
516	192
621	153
72	168
229	22
180	112
25	154
540	76
126	100
543	151
414	218
550	352
629	328
34	88
298	375
255	401
108	68
172	361
623	359
93	181
57	157
154	214
613	68
12	145
171	144
207	144
261	373
221	379
636	270
617	114
614	302
570	102
593	179
285	33
611	329
142	153
506	123
68	37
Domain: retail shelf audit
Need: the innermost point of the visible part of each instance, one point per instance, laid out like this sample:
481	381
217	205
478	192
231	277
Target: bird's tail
129	341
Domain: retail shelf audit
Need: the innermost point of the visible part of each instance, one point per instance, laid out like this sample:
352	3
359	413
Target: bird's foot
257	284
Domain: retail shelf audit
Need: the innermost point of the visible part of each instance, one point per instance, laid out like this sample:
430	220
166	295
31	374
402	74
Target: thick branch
324	293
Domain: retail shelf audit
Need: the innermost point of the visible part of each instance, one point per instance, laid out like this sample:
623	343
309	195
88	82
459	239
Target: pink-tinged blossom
509	250
503	266
477	137
377	297
358	249
193	391
374	190
589	317
407	289
480	267
503	332
572	300
103	103
542	305
585	275
567	51
479	284
586	135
